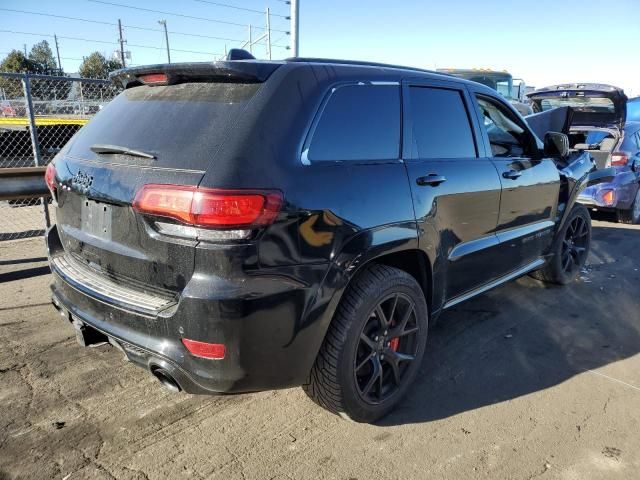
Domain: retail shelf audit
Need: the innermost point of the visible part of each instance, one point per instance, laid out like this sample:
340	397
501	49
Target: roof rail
355	63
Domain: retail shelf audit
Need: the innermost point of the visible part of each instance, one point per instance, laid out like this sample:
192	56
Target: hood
593	104
554	120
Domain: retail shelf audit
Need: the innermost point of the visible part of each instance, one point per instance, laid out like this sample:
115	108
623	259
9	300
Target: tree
15	62
41	59
97	66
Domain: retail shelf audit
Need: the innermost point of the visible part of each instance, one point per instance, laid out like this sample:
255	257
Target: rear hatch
594	105
165	131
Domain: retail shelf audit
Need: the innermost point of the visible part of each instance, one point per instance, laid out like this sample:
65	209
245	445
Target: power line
135	27
105	42
213	20
241	8
57	16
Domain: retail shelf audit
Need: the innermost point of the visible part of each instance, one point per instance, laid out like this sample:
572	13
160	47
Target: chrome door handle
512	174
431	179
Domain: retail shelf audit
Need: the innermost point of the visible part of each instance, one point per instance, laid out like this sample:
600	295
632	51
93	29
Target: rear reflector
213	351
153	78
210	208
619	159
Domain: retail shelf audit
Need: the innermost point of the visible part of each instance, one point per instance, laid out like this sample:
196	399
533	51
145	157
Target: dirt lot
526	381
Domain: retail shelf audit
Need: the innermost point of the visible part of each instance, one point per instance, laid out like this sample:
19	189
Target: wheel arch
393	245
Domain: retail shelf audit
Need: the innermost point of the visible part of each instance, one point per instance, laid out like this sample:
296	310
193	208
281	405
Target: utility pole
166	37
250	39
295	18
121	44
55	37
269	32
25	49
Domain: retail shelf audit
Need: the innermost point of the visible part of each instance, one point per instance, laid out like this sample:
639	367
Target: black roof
361	63
251	70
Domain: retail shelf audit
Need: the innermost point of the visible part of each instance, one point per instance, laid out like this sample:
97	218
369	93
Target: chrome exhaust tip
166	379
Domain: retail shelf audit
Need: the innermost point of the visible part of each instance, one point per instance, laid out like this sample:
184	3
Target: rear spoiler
223	72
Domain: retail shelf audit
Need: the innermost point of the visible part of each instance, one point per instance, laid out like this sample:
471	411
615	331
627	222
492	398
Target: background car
599	126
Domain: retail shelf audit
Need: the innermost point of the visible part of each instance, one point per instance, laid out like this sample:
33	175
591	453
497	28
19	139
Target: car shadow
24	274
527	336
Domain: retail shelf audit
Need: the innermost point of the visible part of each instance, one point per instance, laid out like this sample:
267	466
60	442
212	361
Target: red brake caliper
394	343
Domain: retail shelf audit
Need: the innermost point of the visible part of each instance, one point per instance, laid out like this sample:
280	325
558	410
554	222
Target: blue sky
544	41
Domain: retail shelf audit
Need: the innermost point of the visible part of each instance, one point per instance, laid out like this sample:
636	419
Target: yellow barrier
41	121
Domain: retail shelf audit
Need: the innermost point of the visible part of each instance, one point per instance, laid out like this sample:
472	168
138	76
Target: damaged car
246	225
599	126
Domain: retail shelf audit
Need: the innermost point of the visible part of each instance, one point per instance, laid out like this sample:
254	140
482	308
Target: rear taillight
619	159
608	197
154	78
214	351
209	208
50	179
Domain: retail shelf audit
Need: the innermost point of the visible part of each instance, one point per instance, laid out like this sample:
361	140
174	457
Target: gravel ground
526	381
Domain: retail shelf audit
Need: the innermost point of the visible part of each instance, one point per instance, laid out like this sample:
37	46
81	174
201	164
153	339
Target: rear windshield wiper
106	149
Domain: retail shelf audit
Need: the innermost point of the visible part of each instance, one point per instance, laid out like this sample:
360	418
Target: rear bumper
263	320
623	188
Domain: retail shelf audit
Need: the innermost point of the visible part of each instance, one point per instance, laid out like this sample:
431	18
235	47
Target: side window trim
304	154
408	151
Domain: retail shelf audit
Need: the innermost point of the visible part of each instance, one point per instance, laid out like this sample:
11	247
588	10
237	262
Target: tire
631	216
570	249
355	346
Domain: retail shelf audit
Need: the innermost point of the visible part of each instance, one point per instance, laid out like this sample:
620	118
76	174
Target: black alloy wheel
388	344
570	249
575	245
374	346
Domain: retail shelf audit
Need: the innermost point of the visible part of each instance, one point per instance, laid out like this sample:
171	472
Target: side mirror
556	145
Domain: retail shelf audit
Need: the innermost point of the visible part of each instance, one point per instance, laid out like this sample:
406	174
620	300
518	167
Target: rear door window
181	125
440	122
357	123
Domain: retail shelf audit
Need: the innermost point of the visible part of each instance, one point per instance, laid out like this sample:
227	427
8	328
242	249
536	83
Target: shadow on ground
24	273
528	336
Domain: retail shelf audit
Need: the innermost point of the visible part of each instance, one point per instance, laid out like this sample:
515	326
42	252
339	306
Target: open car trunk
591	115
594	105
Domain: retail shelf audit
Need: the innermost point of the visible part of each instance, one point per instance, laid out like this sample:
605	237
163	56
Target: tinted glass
507	138
359	122
182	125
441	126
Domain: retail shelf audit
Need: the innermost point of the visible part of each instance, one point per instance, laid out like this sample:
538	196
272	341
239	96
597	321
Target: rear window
358	122
182	125
441	127
580	103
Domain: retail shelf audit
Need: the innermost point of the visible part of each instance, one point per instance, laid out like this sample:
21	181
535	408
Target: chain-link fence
38	116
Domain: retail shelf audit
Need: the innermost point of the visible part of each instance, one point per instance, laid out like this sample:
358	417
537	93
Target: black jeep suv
248	225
